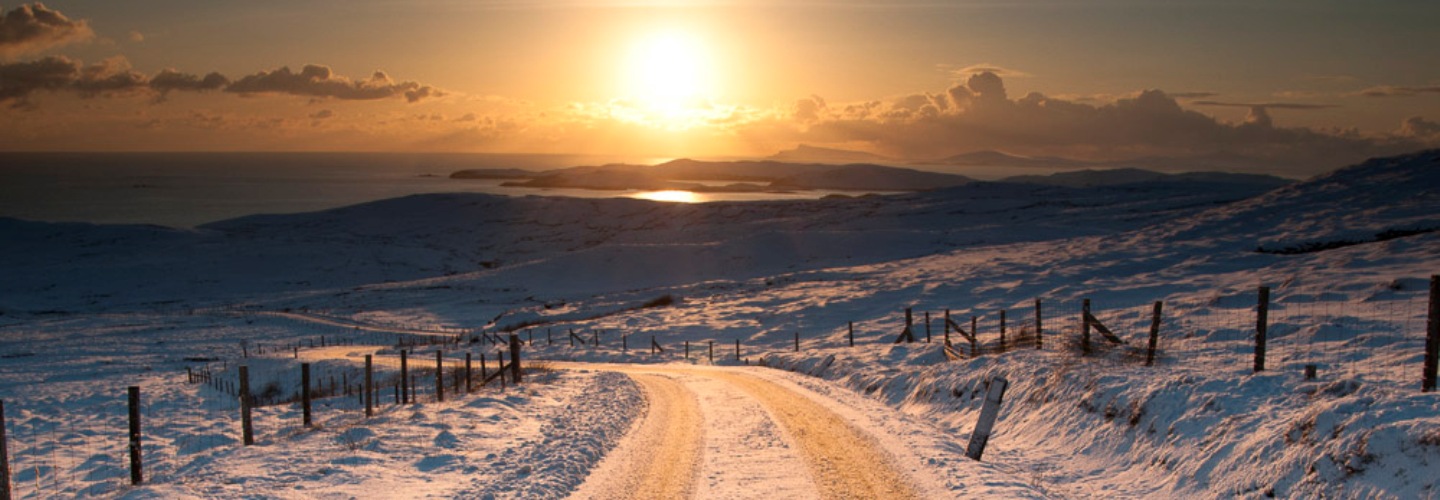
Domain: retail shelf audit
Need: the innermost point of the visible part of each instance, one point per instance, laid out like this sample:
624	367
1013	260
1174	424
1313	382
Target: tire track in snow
661	457
845	462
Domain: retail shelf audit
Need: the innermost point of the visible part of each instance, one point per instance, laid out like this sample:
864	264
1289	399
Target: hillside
1200	423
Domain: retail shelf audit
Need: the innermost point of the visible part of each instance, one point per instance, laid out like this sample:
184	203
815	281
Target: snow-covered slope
1200	423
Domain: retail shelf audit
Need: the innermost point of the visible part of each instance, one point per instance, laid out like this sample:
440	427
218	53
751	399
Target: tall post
988	413
548	339
974	336
1432	337
305	393
1262	324
482	367
909	325
369	386
712	352
404	377
927	327
624	343
1039	332
737	349
137	472
947	326
851	325
687	349
1085	327
1002	329
468	376
515	358
572	337
1154	334
440	374
4	457
247	432
797	341
653	345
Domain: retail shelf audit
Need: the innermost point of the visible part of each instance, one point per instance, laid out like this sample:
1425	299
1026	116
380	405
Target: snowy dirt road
732	433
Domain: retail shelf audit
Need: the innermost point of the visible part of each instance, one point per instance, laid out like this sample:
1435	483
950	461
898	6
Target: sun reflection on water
670	195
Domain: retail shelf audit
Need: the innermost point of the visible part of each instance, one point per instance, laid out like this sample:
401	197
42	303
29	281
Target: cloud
114	76
169	80
1392	91
34	28
319	81
19	80
983	116
1192	95
995	69
1260	112
1420	128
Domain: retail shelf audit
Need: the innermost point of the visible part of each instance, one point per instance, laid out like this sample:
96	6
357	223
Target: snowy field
87	310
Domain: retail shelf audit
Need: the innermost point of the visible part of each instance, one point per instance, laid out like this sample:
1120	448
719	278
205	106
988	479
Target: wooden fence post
988	413
927	327
712	352
404	377
624	343
797	341
947	326
851	324
305	393
369	386
247	432
974	336
737	349
1432	337
572	337
1039	332
1002	330
4	457
1085	327
440	373
1154	334
137	471
1262	324
515	358
468	375
687	349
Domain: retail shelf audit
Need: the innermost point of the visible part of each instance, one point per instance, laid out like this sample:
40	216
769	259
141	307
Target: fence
85	449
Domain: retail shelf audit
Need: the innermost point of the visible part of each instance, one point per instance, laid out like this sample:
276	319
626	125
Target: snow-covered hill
1200	423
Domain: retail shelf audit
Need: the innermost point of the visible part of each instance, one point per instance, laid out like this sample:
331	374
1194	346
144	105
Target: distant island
737	176
770	176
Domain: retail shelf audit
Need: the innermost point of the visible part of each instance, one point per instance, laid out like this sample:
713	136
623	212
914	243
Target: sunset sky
1289	82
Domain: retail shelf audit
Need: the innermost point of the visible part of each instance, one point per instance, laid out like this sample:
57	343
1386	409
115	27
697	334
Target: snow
86	310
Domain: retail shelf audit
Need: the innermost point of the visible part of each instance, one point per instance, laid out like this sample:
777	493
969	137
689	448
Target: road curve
841	460
660	458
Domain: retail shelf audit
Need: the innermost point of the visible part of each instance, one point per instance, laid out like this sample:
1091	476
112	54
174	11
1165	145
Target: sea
185	190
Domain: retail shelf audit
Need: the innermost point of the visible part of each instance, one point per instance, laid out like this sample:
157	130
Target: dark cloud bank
114	76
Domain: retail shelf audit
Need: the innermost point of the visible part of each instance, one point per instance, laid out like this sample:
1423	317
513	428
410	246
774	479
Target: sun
668	73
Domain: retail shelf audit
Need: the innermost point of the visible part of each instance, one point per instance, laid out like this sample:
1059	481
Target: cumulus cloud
1259	112
1420	128
169	80
981	115
809	108
33	28
19	80
320	82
